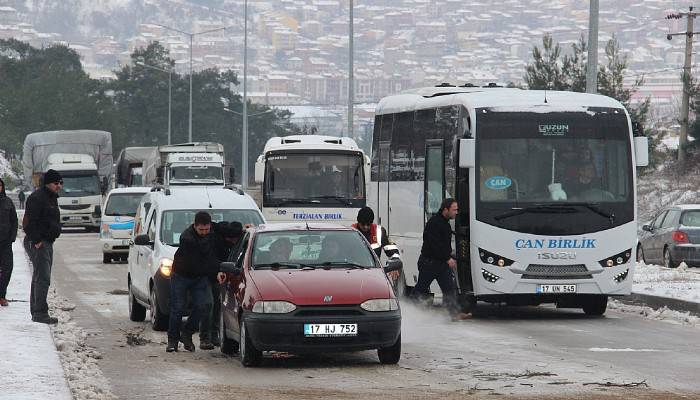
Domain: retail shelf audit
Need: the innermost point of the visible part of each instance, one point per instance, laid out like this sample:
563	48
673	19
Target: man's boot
186	339
172	345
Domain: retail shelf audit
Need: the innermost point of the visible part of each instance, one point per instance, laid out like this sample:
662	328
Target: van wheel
596	305
391	354
106	258
137	312
228	346
250	356
159	321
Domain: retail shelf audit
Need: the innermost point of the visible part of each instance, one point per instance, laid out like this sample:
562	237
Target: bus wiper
340	199
278	265
537	209
348	264
297	201
596	209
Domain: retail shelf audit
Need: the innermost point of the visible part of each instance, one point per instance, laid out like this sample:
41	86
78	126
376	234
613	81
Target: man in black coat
436	261
226	236
43	228
194	262
8	234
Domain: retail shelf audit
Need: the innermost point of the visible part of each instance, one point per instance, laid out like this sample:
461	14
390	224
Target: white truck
186	164
129	165
312	178
84	160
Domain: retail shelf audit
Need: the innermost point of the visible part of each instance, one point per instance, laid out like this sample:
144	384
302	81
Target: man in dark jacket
436	261
225	235
8	234
43	228
194	262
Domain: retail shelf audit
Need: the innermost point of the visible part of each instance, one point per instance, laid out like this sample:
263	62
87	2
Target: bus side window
434	176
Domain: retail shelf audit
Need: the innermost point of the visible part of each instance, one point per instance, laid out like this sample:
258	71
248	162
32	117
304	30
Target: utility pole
685	104
592	68
244	136
351	77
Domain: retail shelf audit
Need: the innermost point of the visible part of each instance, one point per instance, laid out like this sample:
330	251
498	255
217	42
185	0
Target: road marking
627	350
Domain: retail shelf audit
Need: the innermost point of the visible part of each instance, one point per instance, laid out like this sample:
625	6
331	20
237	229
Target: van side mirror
97	213
393	264
143	240
647	228
229	268
467	153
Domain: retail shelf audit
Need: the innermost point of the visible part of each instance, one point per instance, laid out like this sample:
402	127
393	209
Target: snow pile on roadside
5	166
662	314
79	360
681	283
664	188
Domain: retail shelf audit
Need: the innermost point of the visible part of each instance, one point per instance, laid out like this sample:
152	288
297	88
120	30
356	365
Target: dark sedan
672	237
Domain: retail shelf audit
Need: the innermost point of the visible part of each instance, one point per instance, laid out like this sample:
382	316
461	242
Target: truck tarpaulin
38	146
133	157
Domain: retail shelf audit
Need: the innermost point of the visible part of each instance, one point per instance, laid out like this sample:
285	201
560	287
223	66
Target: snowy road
518	352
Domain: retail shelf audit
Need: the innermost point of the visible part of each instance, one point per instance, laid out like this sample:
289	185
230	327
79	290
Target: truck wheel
106	258
137	312
228	346
250	356
159	321
391	354
595	305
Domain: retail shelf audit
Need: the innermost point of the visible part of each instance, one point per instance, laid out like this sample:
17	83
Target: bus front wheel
596	305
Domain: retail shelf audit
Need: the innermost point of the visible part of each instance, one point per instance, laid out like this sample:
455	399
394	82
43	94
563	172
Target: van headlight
273	307
166	266
375	305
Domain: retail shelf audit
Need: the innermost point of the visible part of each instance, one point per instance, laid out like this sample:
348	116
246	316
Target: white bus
312	178
545	184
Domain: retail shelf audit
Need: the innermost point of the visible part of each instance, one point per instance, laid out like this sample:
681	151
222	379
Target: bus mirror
259	172
641	150
467	153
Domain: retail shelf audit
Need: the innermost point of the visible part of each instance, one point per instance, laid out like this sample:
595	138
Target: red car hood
310	287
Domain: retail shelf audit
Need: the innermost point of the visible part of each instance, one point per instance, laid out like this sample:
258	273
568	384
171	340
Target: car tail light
680	237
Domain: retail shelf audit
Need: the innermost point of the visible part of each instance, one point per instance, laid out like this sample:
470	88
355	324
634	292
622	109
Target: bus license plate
330	330
556	288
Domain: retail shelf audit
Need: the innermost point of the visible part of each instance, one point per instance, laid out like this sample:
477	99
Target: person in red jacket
377	237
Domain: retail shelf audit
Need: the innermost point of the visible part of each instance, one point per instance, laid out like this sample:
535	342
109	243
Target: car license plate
556	288
75	218
330	330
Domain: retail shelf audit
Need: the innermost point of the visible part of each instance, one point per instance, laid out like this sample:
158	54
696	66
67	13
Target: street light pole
592	69
244	139
351	76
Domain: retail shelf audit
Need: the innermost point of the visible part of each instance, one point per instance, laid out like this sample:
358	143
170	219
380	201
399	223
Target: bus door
434	187
383	192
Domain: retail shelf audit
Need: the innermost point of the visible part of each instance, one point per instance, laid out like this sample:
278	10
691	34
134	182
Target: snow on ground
30	367
662	314
682	283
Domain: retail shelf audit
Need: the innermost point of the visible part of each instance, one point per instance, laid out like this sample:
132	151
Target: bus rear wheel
596	305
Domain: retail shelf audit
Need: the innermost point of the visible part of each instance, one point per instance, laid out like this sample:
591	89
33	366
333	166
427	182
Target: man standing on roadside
194	262
436	260
43	228
21	197
8	234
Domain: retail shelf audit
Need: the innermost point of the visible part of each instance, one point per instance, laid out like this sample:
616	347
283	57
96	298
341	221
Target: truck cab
81	196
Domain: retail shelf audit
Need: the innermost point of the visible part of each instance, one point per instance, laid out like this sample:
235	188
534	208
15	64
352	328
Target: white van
162	215
118	214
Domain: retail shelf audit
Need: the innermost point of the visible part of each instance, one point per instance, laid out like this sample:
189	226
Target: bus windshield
308	179
535	167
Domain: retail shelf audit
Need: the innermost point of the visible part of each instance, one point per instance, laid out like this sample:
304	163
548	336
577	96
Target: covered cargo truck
84	160
200	163
130	165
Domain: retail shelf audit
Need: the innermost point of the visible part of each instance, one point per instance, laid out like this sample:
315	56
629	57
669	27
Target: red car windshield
312	248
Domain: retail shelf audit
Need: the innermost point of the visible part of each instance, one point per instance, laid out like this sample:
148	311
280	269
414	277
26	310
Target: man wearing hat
226	236
377	237
43	228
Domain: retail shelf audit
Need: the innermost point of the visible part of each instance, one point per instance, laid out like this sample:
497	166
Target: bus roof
308	142
501	99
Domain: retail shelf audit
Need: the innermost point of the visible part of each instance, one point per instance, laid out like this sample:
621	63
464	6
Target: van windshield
176	221
123	204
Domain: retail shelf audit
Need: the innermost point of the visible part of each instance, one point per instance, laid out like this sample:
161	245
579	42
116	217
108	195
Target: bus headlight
489	276
273	307
166	266
375	305
494	259
617	259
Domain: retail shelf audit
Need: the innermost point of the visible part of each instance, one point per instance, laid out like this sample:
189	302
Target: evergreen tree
545	72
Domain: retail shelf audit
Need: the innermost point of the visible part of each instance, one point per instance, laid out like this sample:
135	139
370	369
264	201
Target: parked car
117	222
672	237
160	219
308	288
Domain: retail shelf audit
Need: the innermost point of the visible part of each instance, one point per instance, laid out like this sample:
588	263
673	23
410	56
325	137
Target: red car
308	288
